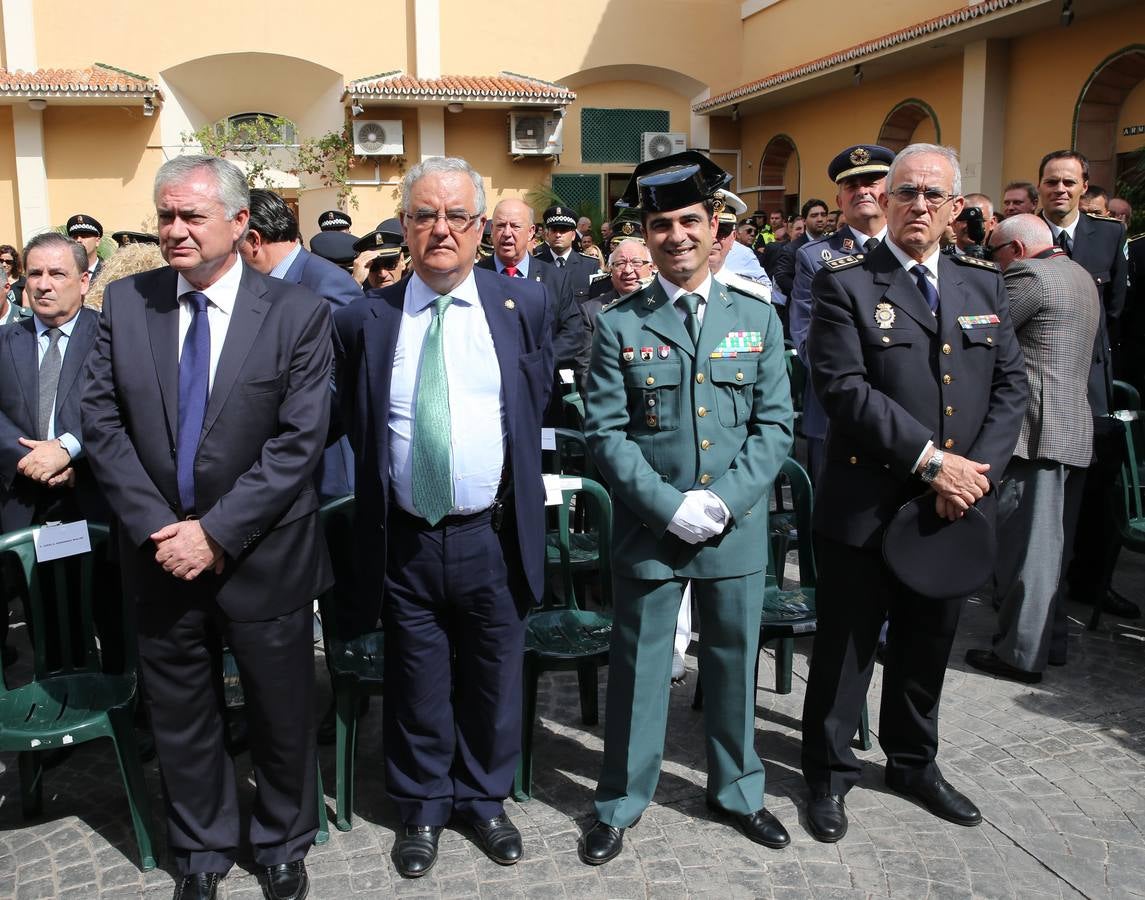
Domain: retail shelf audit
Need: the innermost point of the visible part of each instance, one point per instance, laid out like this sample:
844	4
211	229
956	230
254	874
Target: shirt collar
66	328
419	295
522	264
675	292
286	262
565	256
1070	229
222	292
862	238
908	263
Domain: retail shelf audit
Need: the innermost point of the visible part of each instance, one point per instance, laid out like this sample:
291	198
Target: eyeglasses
6	262
621	264
458	220
388	264
934	198
990	252
747	230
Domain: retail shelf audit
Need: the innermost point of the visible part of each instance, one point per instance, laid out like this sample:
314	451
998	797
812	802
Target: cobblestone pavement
1057	768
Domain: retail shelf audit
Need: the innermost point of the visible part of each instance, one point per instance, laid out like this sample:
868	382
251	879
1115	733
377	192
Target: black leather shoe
759	826
200	886
988	661
286	881
601	843
939	798
826	817
416	851
500	840
1111	602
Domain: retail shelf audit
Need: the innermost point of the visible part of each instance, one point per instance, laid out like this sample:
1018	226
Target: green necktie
691	303
432	471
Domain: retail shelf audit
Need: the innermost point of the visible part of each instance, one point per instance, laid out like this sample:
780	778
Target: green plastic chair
356	665
1131	511
76	702
1126	396
561	635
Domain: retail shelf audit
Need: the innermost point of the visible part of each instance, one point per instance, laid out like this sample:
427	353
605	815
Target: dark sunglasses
388	264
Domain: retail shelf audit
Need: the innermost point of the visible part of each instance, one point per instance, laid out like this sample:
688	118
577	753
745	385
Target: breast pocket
654	397
264	386
885	348
733	381
981	340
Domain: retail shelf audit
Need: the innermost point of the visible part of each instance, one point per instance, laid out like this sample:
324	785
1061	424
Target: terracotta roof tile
852	55
502	87
98	79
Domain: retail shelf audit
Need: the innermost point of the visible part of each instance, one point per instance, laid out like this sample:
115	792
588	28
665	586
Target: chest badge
628	354
646	353
509	304
825	254
848	245
884	315
664	350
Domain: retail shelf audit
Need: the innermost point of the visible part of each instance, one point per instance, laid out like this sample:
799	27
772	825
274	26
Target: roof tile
489	88
96	79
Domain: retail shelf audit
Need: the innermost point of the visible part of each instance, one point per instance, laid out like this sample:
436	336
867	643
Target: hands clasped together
701	516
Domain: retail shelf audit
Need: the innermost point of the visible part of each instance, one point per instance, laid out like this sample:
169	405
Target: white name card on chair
554	484
548	439
57	540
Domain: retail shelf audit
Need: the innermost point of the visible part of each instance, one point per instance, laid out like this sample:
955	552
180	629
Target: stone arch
899	127
779	153
1099	106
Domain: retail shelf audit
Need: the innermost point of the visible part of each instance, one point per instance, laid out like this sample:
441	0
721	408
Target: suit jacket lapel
27	362
247	317
719	319
163	330
663	318
83	336
952	297
505	328
380	329
901	291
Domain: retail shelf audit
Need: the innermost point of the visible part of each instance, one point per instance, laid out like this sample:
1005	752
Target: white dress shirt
476	403
675	292
221	303
67	440
1069	229
862	239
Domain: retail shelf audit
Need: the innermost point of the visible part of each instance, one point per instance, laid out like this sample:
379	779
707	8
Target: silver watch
933	466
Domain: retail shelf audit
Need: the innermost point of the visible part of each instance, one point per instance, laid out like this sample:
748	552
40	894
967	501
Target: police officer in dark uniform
914	358
87	232
560	232
335	220
378	258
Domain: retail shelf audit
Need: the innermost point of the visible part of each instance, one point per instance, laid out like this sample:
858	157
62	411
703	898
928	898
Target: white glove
701	516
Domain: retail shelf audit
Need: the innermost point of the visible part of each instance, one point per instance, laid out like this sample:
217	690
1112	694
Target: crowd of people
961	367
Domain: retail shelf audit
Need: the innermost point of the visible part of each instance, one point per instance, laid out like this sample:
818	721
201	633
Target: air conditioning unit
374	137
535	133
657	144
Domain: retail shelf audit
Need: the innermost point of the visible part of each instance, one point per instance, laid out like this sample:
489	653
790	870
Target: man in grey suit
1055	309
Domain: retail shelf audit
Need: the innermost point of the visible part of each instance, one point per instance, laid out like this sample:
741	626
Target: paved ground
1058	769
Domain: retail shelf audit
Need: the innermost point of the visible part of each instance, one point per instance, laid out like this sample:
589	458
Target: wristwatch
933	466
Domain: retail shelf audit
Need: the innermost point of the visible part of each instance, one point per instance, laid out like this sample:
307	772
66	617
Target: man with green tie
689	420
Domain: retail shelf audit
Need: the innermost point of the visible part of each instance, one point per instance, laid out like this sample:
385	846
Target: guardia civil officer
688	417
914	358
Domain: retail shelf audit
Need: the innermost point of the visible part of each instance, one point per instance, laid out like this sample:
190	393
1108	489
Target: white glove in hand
701	516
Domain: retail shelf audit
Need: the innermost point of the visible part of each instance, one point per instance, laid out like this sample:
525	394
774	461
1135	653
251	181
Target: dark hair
17	268
271	217
1093	193
55	239
1065	154
1030	189
810	205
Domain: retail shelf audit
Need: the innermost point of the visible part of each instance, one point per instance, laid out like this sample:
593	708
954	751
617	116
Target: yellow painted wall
9	199
482	138
1045	84
98	162
822	128
1132	113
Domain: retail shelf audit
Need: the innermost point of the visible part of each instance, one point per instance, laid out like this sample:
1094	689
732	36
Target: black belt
494	514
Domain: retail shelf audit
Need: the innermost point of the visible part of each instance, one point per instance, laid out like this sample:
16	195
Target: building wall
9	198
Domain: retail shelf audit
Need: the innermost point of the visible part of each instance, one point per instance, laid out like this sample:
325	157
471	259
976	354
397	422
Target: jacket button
705	478
649	380
854	460
699	378
705	444
948	443
886	340
989	340
739	376
946	349
946	379
949	410
701	412
651	420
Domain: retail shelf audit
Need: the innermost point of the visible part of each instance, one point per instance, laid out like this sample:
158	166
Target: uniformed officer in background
688	420
913	355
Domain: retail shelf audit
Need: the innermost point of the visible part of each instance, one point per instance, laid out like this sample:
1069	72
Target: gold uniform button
649	380
946	379
946	349
705	444
886	340
948	443
949	410
651	420
989	340
854	460
705	478
699	378
701	412
739	376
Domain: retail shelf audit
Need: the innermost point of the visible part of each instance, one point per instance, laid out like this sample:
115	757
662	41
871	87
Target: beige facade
771	88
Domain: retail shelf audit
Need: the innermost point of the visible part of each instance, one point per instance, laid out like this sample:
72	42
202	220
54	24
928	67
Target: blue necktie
194	374
927	289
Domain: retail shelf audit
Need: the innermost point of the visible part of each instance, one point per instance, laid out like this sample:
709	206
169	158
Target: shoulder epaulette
973	261
597	276
1136	237
588	256
845	262
736	282
1104	218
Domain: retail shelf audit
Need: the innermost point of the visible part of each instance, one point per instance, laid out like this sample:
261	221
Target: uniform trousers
639	673
454	640
180	646
855	593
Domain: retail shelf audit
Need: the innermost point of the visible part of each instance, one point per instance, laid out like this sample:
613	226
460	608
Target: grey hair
1034	233
231	188
947	153
440	165
621	243
55	239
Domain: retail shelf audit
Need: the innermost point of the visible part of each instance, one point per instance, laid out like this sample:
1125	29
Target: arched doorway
909	122
1098	110
779	175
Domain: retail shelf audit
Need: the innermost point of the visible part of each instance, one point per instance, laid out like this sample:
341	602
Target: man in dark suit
814	213
206	412
513	228
558	250
860	172
442	381
1054	307
914	358
271	246
88	233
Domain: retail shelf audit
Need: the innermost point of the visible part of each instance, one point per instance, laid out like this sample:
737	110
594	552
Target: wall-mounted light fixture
148	106
455	108
37	105
857	76
356	109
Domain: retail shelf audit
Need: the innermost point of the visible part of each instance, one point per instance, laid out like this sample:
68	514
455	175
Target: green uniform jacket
659	422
